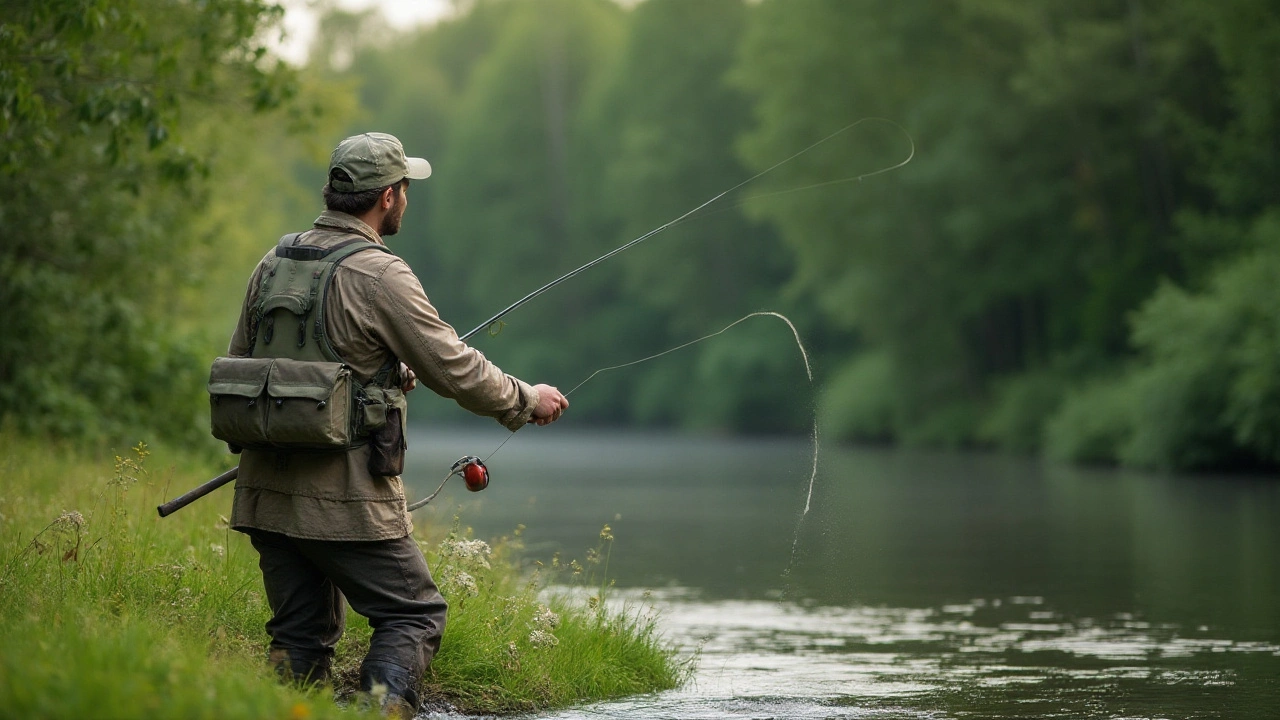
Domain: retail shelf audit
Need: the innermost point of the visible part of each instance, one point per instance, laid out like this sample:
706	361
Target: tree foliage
1075	260
103	168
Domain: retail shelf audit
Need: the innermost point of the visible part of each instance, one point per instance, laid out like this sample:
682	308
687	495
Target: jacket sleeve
239	346
404	319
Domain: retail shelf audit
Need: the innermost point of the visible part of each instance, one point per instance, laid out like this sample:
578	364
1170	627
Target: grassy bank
109	611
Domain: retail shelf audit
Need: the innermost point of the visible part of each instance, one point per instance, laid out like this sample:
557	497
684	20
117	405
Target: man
325	527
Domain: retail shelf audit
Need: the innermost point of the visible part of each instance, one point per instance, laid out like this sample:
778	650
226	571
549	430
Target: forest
1078	261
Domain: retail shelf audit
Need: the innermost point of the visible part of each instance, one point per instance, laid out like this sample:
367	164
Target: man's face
391	221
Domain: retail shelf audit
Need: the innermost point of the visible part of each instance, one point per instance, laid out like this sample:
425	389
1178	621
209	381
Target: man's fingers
408	379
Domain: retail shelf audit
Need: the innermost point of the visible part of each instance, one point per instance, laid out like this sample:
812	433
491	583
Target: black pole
178	503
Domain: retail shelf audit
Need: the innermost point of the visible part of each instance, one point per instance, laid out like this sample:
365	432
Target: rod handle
180	502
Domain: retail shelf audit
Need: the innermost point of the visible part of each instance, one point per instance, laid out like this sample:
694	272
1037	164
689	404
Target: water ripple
1011	657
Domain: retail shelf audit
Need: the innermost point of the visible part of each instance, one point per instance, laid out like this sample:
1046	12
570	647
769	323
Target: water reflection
1098	593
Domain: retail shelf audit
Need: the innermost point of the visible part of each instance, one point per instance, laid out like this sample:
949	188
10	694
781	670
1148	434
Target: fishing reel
473	472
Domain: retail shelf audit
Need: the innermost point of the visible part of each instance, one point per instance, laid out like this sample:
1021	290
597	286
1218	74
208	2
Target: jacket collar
333	220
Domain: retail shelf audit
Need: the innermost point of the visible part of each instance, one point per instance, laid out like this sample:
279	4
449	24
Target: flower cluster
460	561
539	638
544	620
459	581
470	553
69	520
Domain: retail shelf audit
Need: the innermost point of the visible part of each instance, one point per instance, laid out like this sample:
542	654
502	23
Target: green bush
1092	424
858	402
1205	391
1020	407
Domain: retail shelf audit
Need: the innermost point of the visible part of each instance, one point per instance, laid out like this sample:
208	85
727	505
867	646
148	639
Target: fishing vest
294	392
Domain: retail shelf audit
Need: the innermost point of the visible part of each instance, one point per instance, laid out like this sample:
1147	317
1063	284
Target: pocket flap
295	303
304	379
245	377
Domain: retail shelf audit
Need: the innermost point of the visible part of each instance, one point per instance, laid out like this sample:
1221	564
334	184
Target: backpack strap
336	255
288	249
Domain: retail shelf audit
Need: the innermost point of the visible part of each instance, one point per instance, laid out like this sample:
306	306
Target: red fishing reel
473	472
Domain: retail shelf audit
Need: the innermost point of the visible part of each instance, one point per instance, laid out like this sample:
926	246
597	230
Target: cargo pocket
237	407
309	404
386	444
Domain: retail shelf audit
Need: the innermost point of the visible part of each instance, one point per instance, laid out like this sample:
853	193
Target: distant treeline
1080	260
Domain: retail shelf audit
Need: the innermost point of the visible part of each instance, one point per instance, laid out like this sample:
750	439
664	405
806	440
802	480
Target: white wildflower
470	552
461	581
545	619
539	638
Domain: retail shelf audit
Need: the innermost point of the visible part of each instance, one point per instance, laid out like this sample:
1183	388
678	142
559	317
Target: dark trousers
386	581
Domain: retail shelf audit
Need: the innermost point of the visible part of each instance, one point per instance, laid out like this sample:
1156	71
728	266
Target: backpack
294	392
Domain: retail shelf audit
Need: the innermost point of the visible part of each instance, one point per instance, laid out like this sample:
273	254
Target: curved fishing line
572	273
681	346
808	370
693	215
415	505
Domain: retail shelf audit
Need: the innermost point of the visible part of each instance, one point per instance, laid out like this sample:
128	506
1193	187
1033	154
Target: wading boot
390	688
298	669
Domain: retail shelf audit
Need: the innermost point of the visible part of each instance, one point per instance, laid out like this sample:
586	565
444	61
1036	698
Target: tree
100	174
665	123
504	207
1001	264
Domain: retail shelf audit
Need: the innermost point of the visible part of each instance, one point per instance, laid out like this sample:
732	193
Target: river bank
108	610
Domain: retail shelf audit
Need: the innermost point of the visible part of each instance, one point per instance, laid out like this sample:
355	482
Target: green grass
107	610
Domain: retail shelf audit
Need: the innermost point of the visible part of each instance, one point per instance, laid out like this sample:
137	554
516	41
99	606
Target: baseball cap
373	160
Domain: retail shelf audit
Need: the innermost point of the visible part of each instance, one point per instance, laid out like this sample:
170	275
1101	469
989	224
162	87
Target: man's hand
551	403
408	380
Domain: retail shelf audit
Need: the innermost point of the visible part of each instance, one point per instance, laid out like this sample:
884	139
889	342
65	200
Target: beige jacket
375	307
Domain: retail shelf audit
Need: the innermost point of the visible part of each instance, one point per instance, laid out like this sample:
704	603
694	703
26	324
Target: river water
922	585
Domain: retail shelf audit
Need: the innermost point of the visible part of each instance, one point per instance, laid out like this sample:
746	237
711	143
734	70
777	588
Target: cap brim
419	169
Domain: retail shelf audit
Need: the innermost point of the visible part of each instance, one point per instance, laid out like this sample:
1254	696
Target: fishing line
491	322
805	355
458	467
494	324
742	202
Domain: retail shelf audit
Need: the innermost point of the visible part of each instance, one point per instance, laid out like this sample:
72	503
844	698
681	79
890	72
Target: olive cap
371	161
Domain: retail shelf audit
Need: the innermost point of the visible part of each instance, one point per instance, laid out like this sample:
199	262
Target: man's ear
388	198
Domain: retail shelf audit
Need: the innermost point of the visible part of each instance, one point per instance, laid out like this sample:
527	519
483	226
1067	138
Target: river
919	584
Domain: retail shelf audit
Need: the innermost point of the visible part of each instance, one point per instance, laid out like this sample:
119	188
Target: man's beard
391	222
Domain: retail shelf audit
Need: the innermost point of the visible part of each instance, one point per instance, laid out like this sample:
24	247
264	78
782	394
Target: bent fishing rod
468	464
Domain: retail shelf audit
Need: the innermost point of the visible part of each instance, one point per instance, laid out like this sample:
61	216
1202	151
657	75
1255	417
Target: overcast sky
300	19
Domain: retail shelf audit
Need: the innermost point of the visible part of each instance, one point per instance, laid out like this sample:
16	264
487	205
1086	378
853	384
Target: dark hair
353	203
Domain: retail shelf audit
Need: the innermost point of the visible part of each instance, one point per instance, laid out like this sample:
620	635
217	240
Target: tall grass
107	610
512	646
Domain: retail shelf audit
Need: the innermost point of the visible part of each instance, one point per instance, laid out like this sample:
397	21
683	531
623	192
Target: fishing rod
472	468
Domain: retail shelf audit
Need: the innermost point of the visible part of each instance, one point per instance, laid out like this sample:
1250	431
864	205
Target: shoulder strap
334	255
288	250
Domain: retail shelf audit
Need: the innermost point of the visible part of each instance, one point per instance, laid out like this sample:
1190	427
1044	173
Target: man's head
368	176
